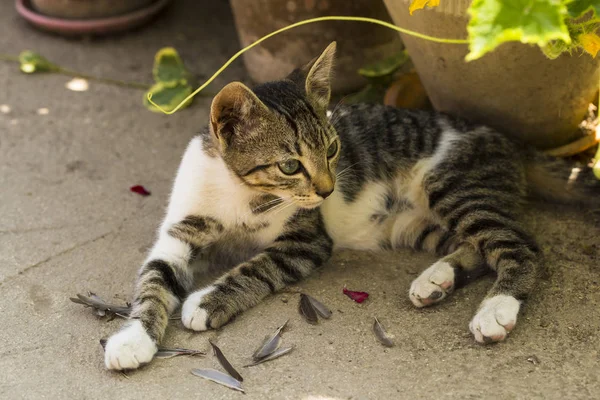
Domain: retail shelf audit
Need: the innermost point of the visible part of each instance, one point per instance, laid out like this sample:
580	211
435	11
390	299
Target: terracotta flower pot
358	43
515	88
87	9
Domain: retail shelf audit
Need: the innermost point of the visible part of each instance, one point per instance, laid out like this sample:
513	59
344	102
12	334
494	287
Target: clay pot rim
113	24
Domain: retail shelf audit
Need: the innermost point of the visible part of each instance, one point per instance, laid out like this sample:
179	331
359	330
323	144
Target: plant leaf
218	377
590	43
494	22
168	68
225	363
270	344
419	4
380	334
577	8
167	97
358	297
307	310
276	354
32	62
386	66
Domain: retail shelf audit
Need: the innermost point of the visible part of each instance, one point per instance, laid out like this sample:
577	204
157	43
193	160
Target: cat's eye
332	150
289	167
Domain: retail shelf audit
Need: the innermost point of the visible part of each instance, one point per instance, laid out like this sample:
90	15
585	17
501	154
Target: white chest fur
205	186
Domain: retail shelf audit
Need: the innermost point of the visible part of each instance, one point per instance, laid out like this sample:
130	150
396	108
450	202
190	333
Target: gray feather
218	377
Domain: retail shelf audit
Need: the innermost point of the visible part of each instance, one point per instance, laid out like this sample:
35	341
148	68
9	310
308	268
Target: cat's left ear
318	80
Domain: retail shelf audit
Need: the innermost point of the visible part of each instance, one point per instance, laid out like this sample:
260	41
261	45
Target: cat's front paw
433	285
129	348
497	316
205	309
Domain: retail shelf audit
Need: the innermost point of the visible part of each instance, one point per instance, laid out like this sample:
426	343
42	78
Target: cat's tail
558	180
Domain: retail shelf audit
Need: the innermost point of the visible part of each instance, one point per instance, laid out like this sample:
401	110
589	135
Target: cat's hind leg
444	276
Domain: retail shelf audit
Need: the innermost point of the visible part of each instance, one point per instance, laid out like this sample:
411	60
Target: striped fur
401	178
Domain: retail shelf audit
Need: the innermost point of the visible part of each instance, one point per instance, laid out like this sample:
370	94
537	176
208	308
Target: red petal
358	297
139	189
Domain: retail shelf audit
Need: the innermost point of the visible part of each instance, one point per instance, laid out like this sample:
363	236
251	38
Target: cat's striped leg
299	250
444	276
460	263
486	219
515	257
163	282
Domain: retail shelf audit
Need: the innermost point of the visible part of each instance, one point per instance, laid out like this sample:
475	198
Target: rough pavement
69	224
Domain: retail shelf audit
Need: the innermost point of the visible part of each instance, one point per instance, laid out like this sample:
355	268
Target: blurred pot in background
358	42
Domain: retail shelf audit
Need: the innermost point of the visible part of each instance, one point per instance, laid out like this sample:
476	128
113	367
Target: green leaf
385	67
577	8
494	22
33	62
168	97
371	94
168	67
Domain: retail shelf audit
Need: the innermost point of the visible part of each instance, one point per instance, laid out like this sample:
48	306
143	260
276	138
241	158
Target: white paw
496	317
192	315
433	285
129	348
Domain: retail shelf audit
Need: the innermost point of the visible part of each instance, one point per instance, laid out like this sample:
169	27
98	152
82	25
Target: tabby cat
275	184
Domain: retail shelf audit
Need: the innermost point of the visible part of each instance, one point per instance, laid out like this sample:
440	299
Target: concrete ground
69	224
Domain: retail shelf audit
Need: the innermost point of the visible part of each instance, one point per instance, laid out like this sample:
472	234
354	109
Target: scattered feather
358	297
165	352
139	189
270	344
381	335
225	363
307	310
276	354
319	307
219	377
100	306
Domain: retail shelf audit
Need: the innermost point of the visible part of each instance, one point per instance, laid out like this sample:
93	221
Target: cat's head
278	138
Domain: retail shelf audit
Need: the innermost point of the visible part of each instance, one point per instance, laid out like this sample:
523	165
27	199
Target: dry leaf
319	307
307	310
270	344
381	335
225	363
218	377
276	354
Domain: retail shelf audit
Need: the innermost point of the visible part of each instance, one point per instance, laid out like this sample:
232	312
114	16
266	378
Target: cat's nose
325	193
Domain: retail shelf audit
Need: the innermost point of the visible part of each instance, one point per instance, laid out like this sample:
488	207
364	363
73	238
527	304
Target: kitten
256	192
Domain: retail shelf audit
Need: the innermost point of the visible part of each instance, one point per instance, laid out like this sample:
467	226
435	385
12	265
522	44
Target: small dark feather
276	354
307	310
218	377
381	335
320	307
270	344
165	352
225	363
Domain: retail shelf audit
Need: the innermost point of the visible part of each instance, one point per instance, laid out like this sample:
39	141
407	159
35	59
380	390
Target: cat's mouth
309	204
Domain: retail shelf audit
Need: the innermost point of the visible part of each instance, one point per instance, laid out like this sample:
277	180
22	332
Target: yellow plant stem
300	23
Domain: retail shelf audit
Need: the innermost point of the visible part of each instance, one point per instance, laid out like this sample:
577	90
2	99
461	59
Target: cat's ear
232	109
318	79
